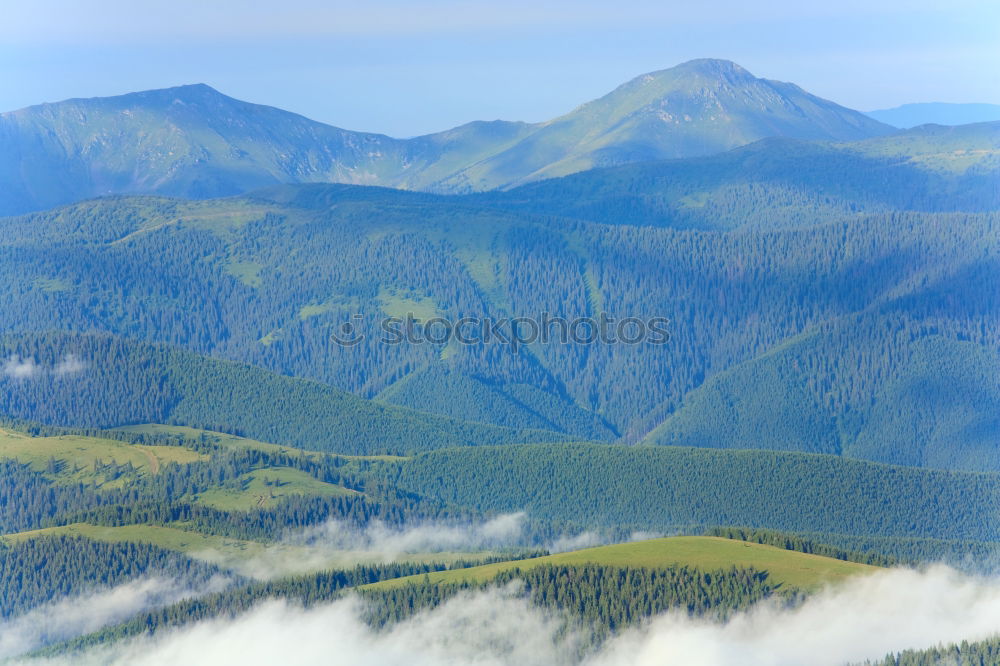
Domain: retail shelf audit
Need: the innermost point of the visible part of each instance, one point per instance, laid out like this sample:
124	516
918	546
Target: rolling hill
670	488
75	458
193	141
604	589
128	383
125	537
709	554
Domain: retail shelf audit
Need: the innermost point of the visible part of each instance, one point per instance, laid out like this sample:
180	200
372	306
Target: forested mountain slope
837	317
784	183
119	382
671	488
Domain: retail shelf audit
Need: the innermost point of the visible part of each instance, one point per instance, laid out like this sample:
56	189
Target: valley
203	422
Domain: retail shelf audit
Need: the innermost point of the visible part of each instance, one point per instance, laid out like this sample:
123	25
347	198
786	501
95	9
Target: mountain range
193	141
197	389
704	162
937	113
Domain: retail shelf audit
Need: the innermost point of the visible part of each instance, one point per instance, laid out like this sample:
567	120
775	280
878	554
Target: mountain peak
191	89
712	66
696	108
708	68
187	93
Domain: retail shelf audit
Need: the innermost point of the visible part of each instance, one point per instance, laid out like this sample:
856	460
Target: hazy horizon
393	69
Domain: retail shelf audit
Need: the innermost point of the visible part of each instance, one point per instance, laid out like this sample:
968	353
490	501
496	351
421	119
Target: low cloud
342	544
16	367
339	544
75	616
866	617
69	365
488	629
390	542
590	540
576	542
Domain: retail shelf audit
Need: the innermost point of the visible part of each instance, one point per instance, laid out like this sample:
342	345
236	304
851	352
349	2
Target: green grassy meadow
264	488
785	567
75	456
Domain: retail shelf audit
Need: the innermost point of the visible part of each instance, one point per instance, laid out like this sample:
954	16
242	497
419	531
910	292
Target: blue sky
406	68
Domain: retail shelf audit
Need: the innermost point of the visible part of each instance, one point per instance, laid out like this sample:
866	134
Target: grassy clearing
80	459
171	538
52	285
77	457
789	568
307	311
396	303
247	272
217	438
263	488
